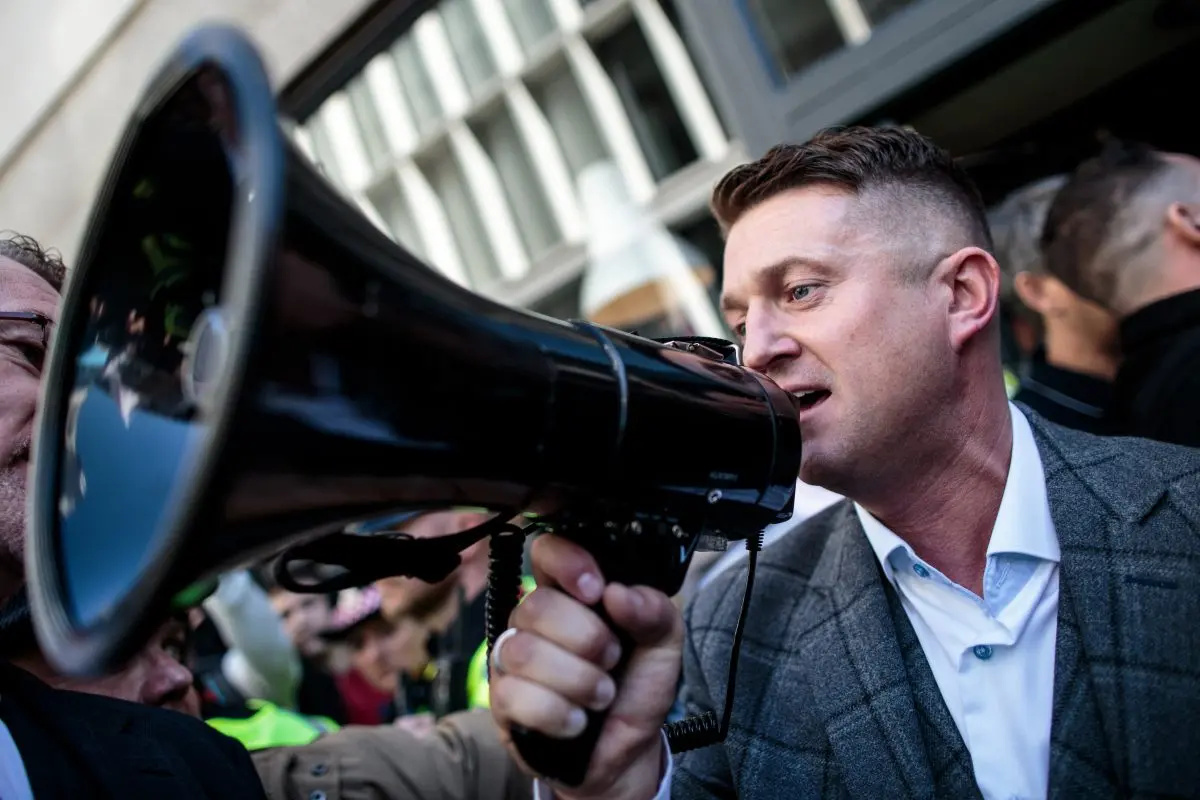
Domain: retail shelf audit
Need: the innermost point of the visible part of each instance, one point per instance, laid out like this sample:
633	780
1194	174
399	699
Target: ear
973	278
1183	219
1031	290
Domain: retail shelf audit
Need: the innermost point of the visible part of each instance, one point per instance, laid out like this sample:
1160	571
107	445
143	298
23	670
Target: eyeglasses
31	318
27	332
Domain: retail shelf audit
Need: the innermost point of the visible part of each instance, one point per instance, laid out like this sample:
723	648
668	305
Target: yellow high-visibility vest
272	726
477	670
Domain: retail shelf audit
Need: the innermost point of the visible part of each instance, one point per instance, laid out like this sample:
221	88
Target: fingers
562	563
516	701
648	616
576	680
554	616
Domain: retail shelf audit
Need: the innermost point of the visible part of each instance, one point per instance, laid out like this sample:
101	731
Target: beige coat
462	759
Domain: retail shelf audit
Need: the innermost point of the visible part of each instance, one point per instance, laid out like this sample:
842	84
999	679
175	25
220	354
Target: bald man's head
1125	229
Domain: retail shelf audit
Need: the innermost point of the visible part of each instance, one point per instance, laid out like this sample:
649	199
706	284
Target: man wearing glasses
56	744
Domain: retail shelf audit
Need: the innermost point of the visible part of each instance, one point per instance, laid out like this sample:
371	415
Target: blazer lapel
1119	590
861	688
949	759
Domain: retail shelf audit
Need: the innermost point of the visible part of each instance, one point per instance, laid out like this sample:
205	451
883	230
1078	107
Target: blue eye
801	292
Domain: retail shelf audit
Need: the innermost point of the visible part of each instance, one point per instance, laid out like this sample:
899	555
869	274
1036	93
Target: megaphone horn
245	363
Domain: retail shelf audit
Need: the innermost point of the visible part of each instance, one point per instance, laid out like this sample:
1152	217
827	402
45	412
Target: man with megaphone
1003	608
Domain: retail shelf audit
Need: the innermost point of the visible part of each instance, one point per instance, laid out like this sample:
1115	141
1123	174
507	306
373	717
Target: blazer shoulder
784	568
1068	447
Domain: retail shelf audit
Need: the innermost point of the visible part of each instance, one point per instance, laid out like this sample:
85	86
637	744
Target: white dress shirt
14	781
993	657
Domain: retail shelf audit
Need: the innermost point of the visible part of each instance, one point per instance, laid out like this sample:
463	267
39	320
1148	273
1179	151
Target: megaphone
246	363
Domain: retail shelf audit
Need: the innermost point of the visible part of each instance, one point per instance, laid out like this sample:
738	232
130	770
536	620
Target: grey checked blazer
835	698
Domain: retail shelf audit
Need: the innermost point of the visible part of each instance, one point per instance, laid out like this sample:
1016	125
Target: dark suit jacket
81	746
835	697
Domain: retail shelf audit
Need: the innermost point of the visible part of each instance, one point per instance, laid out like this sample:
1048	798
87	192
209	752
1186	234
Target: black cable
505	560
703	730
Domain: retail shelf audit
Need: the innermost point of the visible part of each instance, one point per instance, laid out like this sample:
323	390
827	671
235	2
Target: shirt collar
1023	523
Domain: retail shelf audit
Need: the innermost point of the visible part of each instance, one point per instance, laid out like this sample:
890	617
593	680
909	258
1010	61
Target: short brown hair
1086	214
857	159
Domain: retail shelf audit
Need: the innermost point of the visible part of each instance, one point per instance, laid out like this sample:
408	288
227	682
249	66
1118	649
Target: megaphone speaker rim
257	218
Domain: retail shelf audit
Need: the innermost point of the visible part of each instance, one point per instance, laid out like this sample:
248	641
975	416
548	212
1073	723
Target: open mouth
806	400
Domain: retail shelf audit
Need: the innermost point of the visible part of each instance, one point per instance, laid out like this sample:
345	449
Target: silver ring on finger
497	666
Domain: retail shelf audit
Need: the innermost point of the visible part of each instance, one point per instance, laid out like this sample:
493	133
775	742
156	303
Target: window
660	131
795	33
470	46
470	236
877	11
499	136
370	127
532	21
418	89
565	109
388	200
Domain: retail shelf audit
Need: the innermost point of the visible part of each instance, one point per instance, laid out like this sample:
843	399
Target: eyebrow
773	274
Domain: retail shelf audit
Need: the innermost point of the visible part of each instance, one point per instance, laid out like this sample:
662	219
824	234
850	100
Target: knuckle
519	651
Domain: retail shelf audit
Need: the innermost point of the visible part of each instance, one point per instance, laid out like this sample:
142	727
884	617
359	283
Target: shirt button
317	795
319	769
920	570
982	651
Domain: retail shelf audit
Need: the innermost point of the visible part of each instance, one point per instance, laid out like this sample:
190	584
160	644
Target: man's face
156	676
820	300
382	650
304	617
21	357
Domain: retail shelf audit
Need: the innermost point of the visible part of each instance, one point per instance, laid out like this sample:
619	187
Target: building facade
502	140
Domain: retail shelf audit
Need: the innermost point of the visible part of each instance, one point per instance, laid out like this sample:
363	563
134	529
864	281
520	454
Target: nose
169	681
766	341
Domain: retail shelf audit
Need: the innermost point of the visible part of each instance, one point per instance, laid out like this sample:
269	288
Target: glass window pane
471	49
627	58
879	10
470	236
569	116
532	20
418	89
370	127
795	33
389	201
500	138
323	152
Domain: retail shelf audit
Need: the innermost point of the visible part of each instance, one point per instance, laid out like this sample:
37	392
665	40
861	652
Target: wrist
641	781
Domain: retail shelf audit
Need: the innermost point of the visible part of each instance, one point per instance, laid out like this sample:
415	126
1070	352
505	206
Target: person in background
1069	375
1125	232
381	652
65	744
305	617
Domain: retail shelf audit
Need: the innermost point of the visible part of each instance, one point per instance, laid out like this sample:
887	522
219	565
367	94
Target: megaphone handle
567	760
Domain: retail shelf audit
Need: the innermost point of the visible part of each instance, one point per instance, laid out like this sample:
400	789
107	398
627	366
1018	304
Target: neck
1176	276
946	508
1071	349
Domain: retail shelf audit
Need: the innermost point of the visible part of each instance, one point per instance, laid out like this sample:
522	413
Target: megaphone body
245	363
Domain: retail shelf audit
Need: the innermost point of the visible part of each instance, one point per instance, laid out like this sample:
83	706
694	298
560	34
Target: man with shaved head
1001	608
1125	232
